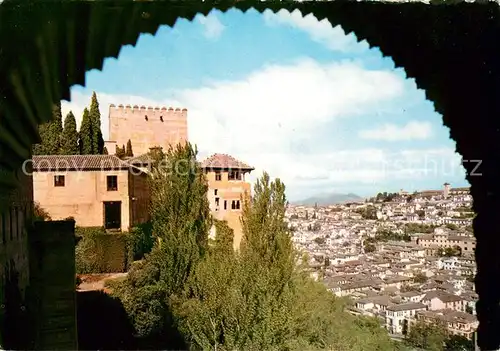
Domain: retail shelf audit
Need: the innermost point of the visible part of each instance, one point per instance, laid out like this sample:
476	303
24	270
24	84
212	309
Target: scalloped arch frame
452	52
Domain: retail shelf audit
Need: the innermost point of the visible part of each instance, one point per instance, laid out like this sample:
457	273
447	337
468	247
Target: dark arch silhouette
451	51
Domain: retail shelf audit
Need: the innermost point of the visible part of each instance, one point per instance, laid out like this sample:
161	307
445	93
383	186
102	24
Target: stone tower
146	127
446	190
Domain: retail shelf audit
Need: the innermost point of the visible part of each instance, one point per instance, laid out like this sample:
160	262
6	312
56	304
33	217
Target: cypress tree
50	134
95	117
86	134
105	151
41	148
128	151
55	130
119	151
69	140
180	214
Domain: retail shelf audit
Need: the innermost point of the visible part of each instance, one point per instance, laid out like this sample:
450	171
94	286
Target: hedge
100	252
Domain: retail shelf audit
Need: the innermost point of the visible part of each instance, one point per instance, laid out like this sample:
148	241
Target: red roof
224	161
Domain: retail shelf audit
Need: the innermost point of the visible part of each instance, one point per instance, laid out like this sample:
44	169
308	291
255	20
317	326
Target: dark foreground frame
451	51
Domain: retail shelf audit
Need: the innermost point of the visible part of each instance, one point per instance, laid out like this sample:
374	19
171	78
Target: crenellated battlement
147	126
121	107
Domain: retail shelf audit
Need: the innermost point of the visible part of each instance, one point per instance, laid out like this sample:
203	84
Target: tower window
234	175
217	201
233	205
225	204
161	118
59	180
215	191
146	117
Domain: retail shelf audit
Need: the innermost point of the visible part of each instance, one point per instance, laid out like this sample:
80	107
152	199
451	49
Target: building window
237	204
215	191
225	204
59	180
218	176
217	201
234	175
112	183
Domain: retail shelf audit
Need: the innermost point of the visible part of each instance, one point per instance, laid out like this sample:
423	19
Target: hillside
329	199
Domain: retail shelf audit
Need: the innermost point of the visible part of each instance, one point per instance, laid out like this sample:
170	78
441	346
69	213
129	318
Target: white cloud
213	26
413	130
319	31
258	118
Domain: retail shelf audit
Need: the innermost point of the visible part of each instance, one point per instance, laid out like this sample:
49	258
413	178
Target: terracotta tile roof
224	161
144	159
78	163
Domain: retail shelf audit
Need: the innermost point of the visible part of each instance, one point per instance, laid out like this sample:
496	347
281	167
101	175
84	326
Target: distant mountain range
329	199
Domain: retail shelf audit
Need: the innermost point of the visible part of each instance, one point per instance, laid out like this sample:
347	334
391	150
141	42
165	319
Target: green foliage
224	238
69	138
427	336
119	152
98	252
86	134
128	151
97	140
449	251
368	212
369	247
105	151
459	343
451	226
412	228
50	134
40	214
180	224
316	227
420	278
257	298
319	240
384	235
141	240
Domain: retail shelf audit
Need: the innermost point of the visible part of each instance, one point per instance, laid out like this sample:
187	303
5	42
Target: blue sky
287	94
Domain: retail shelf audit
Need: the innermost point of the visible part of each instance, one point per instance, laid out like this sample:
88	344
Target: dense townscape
407	259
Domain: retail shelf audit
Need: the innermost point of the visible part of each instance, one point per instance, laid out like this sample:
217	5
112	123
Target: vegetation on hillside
199	294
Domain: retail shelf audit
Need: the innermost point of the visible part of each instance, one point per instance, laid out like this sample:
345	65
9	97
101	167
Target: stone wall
146	127
15	216
53	283
82	196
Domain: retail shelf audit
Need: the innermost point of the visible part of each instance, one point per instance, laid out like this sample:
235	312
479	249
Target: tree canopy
201	294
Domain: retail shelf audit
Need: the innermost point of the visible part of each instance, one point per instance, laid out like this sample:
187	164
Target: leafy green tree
224	238
427	336
128	151
459	343
95	118
369	248
319	240
86	133
258	298
50	134
41	148
420	278
119	152
55	131
69	139
180	217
